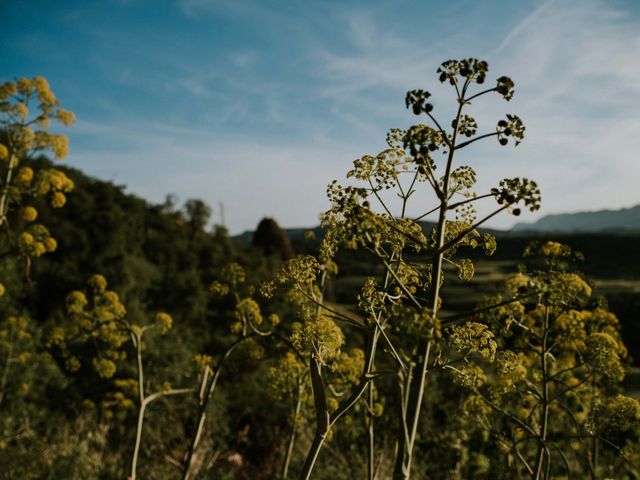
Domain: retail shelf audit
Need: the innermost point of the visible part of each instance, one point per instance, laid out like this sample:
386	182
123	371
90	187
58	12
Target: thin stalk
371	435
292	437
4	200
595	455
323	428
137	340
402	468
544	422
202	406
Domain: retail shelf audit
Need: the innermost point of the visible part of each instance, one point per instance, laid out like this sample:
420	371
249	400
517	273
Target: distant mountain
624	220
298	234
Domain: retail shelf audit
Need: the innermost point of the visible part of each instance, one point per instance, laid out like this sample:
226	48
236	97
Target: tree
272	240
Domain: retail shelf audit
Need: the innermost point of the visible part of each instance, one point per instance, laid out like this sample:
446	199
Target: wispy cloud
576	69
281	100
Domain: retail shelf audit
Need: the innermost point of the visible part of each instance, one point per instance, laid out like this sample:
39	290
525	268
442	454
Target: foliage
549	397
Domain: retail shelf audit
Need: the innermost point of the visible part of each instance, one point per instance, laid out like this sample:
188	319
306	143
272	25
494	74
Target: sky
260	104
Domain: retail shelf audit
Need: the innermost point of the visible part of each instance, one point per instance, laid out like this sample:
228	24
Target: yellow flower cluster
36	241
473	337
219	289
16	341
98	283
29	214
233	274
100	320
248	312
27	105
322	337
104	367
604	356
469	376
55	184
163	322
286	376
616	414
203	360
23	178
16	95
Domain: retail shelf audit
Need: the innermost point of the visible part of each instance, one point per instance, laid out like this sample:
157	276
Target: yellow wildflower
25	240
65	117
24	86
105	368
164	322
50	244
40	84
59	145
7	89
24	176
29	214
98	282
58	199
21	110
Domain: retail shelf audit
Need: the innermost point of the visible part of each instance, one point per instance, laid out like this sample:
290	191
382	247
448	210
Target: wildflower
65	117
50	244
104	367
469	376
24	86
163	322
7	89
58	199
76	301
29	214
25	240
473	337
24	176
98	283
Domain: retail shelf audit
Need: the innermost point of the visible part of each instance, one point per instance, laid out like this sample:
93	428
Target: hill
625	219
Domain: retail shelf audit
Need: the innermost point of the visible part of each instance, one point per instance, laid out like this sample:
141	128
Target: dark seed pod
503	141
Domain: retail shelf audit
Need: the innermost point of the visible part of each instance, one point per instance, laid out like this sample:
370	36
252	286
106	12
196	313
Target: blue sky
260	104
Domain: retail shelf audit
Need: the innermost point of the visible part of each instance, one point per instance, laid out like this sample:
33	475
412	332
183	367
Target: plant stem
202	406
4	201
542	448
137	340
312	456
371	435
345	405
292	437
402	469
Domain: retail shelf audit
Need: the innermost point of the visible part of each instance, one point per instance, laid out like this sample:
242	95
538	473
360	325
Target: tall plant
548	388
402	309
